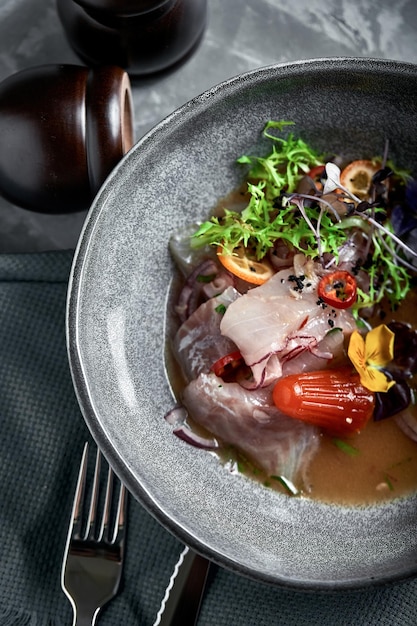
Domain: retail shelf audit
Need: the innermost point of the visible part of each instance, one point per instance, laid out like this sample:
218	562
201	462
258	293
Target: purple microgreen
319	199
390	234
333	178
318	224
396	257
299	203
333	182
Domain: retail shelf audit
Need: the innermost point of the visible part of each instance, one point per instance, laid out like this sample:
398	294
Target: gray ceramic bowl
116	316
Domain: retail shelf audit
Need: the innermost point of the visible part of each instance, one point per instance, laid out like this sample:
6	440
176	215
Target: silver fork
93	558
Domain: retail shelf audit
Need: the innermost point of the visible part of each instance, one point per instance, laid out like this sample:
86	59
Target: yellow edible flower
370	354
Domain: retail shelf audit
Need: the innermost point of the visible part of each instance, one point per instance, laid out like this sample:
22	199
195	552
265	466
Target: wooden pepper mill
142	36
63	128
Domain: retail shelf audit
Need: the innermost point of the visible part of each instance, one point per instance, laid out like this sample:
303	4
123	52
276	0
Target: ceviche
294	345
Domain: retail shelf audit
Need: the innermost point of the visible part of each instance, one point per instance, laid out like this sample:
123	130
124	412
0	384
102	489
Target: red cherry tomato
227	364
338	289
317	172
333	400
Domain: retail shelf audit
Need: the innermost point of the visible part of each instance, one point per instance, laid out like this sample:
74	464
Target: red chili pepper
338	289
334	400
227	364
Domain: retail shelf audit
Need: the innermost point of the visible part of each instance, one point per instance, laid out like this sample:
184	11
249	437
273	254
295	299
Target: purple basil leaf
405	348
403	220
393	401
411	195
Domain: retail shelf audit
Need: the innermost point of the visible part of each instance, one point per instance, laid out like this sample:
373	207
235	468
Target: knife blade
182	600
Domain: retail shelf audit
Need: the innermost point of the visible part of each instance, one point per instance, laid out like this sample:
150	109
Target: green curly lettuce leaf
261	222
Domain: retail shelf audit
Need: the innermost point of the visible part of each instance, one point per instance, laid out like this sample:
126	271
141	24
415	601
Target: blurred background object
63	129
239	36
142	36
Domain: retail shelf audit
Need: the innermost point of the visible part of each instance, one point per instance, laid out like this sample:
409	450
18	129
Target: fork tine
119	527
76	516
119	522
92	512
107	505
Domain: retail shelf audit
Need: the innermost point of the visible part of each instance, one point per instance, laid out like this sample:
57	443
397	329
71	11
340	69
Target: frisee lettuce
288	161
261	223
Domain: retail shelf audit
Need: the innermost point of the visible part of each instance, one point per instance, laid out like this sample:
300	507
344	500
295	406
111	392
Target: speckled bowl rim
106	426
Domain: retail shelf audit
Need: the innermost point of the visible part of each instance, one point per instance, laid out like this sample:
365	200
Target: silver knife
182	600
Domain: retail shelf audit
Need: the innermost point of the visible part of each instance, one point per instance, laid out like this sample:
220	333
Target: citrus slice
357	177
244	266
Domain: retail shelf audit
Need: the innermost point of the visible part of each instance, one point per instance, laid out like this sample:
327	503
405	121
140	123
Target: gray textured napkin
41	440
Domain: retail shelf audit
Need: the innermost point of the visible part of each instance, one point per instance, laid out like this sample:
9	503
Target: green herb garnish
310	224
388	481
264	220
220	309
205	278
287	484
285	165
388	277
345	447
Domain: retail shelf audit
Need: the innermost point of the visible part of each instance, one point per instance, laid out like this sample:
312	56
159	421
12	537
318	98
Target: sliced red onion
176	416
280	255
408	424
218	285
321	354
190	294
250	383
301	343
186	434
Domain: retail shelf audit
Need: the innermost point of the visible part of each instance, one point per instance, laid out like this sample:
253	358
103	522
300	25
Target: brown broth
385	467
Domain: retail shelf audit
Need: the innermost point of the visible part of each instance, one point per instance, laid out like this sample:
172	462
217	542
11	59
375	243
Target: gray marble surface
240	35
